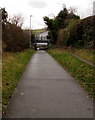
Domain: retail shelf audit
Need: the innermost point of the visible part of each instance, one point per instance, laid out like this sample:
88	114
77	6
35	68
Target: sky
40	8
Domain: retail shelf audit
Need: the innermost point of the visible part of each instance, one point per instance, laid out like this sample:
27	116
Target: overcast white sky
40	8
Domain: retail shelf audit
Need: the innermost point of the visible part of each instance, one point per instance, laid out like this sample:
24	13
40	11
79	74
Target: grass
38	31
81	71
86	54
13	67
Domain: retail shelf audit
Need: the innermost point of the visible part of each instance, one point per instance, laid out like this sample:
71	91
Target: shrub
66	36
78	33
14	38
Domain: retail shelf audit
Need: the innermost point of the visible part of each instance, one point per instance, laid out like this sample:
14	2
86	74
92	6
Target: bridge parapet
41	42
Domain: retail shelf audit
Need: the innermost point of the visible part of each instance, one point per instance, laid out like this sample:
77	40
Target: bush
14	38
84	33
78	33
66	36
58	23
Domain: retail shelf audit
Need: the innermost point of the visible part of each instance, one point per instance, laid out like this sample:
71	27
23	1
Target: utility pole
94	8
1	61
30	33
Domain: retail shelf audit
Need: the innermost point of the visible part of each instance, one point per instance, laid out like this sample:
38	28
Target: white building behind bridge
43	35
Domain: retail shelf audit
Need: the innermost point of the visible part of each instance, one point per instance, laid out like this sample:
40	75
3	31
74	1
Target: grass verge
86	54
38	31
13	67
81	71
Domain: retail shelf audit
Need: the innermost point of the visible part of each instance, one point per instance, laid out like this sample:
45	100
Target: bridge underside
41	43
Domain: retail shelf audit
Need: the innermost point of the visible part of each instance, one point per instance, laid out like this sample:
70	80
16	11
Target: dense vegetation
80	33
67	29
14	38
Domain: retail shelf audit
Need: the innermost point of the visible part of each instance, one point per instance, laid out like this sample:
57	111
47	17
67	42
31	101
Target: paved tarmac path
46	90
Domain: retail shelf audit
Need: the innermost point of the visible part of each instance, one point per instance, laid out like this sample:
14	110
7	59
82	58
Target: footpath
46	90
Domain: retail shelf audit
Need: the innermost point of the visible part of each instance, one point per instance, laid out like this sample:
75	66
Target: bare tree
72	10
17	20
64	6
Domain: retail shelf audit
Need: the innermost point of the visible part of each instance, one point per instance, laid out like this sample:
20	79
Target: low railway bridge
41	41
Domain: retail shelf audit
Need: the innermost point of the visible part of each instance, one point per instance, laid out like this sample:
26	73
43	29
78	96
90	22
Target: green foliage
52	27
83	72
73	16
65	36
13	67
78	33
62	17
70	33
66	29
49	23
61	21
84	34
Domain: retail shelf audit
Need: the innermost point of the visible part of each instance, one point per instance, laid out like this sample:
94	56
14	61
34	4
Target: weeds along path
80	70
13	67
82	59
